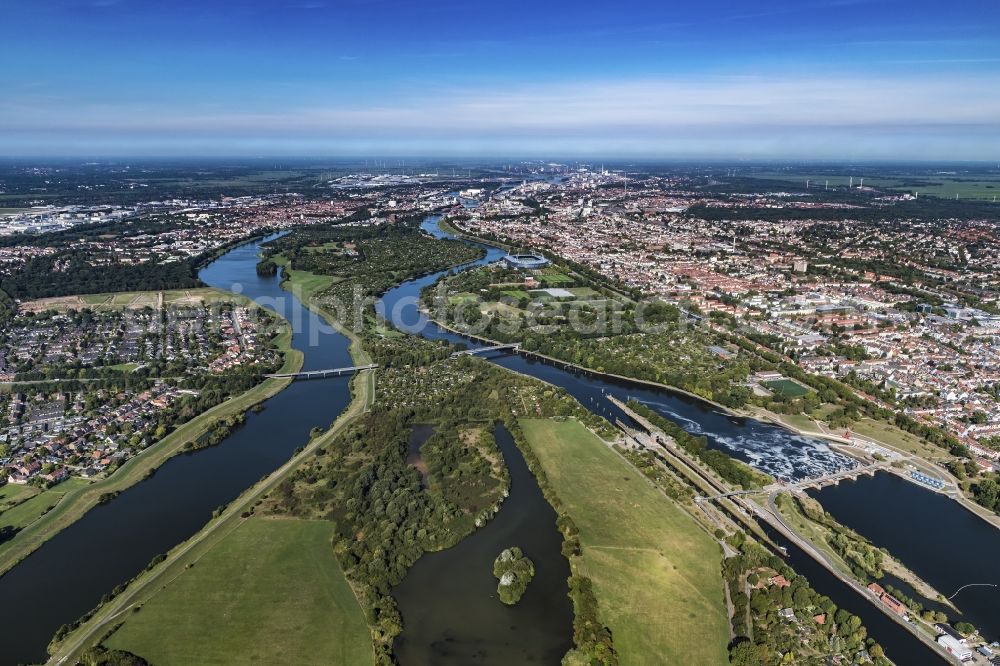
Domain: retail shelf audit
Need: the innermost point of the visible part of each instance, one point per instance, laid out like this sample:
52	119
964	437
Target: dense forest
77	273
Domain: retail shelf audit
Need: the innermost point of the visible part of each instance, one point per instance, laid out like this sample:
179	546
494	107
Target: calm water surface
940	541
448	600
113	542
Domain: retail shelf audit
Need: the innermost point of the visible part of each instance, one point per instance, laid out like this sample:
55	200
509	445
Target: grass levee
656	573
285	600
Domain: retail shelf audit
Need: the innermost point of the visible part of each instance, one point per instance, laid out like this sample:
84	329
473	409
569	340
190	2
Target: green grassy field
787	387
271	592
800	421
309	283
31	509
555	279
303	284
455	299
893	436
656	574
133	300
967	186
12	493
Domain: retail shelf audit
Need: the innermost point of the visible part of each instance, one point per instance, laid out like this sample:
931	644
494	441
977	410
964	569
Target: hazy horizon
835	80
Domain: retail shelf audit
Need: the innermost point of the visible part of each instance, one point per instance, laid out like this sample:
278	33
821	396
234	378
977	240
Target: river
940	541
767	447
67	576
451	614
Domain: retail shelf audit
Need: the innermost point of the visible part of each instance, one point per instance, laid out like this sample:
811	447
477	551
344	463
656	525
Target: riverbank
184	556
76	503
768	515
761	415
642	571
819	535
279	573
837	443
304	286
588	385
846	446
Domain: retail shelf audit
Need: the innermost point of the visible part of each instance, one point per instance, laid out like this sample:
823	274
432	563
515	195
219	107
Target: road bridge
482	350
320	374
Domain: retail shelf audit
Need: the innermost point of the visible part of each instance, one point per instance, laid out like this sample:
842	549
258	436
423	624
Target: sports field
656	574
271	592
786	387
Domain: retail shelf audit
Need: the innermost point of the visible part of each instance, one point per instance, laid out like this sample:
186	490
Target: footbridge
320	374
735	493
482	350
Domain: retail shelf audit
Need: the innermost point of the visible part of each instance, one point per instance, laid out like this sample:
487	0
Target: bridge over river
482	350
319	374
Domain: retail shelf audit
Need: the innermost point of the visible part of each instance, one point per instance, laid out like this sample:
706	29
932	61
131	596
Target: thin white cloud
751	111
588	105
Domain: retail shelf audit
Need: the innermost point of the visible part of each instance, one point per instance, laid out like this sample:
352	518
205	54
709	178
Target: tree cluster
513	570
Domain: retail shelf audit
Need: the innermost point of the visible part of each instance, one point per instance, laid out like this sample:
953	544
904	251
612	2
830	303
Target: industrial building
955	647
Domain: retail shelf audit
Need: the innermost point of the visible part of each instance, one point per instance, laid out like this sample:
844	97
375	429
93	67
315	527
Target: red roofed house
778	580
894	604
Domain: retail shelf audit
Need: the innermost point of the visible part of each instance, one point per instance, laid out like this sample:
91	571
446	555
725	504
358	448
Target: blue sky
821	79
